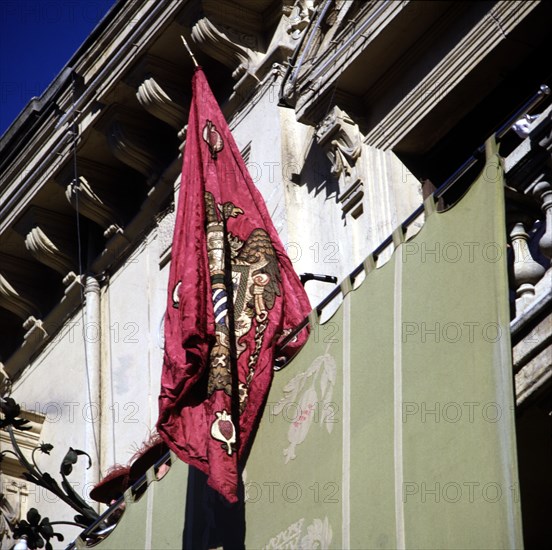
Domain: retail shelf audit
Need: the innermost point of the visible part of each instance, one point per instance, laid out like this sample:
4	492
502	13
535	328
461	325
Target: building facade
348	114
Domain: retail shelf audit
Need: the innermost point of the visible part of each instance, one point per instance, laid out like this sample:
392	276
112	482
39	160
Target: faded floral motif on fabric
318	534
302	405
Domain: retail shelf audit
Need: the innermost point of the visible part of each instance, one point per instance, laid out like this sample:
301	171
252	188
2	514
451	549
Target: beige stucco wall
56	383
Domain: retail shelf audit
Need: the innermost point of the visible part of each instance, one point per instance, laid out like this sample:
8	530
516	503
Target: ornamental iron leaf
37	530
10	411
71	458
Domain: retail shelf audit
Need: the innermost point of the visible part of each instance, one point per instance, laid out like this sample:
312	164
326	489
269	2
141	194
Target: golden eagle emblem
255	286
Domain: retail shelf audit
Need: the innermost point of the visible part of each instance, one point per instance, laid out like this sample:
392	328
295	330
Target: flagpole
189	51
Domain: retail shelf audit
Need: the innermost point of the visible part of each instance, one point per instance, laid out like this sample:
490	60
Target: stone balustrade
530	220
529	197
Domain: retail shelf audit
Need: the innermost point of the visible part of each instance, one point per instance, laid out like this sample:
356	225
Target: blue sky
37	39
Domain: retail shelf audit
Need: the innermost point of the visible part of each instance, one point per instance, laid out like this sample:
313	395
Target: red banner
232	295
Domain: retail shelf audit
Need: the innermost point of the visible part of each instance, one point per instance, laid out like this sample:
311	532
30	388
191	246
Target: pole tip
189	50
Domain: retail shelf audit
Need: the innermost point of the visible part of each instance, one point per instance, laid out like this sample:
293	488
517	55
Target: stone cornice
348	43
47	239
41	156
479	43
360	44
114	127
157	102
44	156
245	18
34	340
32	110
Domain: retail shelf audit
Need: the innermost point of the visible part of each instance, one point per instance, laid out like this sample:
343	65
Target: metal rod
544	91
89	531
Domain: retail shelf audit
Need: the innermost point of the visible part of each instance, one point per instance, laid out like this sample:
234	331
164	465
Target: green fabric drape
422	450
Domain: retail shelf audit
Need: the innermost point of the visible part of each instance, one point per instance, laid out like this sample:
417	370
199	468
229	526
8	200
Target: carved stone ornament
35	331
48	239
340	137
91	206
13	301
10	512
46	252
5	381
236	50
157	102
14	490
300	17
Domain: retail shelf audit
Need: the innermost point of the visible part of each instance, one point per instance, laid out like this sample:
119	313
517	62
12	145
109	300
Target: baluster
527	271
543	191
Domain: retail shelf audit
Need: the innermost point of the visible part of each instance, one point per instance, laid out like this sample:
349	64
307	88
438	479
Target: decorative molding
36	332
340	137
157	102
237	50
13	301
105	177
351	199
532	360
345	40
46	252
5	381
22	294
48	238
93	207
449	73
14	493
165	233
355	47
26	439
34	340
14	498
138	140
102	189
157	82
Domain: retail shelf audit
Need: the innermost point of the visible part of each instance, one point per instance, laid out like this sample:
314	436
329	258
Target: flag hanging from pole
232	295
